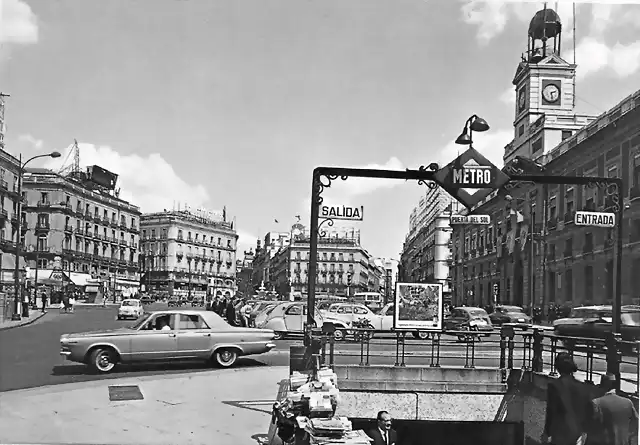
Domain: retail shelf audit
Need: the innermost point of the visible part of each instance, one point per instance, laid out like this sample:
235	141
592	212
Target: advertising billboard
419	306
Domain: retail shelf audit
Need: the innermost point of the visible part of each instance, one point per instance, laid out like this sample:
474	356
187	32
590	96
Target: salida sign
342	212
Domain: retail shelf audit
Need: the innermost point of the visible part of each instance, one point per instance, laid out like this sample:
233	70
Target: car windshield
590	313
630	318
129	303
513	310
141	321
477	313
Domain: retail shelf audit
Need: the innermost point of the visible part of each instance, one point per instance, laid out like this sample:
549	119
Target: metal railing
534	349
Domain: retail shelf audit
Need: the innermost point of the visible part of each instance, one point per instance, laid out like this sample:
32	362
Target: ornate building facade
186	254
533	254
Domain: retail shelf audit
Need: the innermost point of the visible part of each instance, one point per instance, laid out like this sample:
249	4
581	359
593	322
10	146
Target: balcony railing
41	225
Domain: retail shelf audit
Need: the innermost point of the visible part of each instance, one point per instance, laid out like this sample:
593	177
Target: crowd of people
235	310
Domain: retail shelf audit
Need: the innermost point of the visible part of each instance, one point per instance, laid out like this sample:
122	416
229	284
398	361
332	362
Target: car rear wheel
103	360
225	357
338	335
422	335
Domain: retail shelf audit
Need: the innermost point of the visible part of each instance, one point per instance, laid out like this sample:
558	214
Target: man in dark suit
568	405
615	417
383	434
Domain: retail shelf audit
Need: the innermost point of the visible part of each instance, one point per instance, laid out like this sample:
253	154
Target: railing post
435	350
397	348
503	348
554	348
538	361
612	342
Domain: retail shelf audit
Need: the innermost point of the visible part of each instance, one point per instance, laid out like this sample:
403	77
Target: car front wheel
225	357
102	360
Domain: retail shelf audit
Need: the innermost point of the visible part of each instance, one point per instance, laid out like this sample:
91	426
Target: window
536	146
521	130
294	310
568	285
566	134
552	209
588	283
192	322
44	198
568	248
588	242
229	243
42	243
570	207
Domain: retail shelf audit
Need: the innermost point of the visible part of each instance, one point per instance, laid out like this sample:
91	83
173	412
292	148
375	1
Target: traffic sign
596	219
471	219
470	177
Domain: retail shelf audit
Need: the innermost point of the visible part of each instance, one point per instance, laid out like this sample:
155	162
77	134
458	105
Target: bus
374	300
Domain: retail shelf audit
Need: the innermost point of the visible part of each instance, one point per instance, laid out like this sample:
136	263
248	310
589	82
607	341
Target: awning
80	279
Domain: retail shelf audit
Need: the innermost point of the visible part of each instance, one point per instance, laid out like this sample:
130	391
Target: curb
19	325
64	387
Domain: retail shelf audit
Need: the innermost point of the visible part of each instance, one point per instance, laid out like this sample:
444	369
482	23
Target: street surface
29	355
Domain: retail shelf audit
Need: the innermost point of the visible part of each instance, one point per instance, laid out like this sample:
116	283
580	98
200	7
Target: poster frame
412	325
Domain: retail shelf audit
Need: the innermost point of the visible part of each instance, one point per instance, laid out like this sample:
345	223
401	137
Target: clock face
551	93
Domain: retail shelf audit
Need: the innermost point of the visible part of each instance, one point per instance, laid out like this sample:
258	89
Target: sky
233	102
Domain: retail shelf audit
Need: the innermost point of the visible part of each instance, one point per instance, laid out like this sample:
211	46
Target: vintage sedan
468	319
167	335
288	318
510	314
130	308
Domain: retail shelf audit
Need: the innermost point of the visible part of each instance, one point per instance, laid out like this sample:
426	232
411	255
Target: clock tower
545	92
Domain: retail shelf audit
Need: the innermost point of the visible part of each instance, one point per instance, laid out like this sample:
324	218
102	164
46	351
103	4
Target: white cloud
593	54
246	241
509	96
346	192
149	182
34	142
491	144
18	23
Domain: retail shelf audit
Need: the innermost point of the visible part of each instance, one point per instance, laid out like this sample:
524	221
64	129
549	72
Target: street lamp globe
55	154
479	125
464	138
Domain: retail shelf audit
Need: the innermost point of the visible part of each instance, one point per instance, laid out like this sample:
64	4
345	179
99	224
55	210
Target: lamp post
25	312
474	123
477	124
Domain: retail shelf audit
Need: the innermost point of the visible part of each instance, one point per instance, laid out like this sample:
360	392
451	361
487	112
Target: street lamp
474	123
25	307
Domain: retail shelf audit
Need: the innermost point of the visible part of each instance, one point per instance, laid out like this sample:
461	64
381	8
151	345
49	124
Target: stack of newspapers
336	430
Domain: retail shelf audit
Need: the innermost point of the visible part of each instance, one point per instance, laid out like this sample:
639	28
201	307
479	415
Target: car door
361	312
345	313
153	343
194	337
386	319
293	318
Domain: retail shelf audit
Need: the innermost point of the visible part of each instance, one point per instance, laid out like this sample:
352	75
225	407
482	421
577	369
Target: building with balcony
95	233
344	267
9	167
389	269
426	253
183	253
244	273
561	263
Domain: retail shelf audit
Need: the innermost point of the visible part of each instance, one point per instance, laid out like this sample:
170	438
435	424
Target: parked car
510	314
130	308
288	318
167	335
174	302
596	324
258	308
146	300
468	319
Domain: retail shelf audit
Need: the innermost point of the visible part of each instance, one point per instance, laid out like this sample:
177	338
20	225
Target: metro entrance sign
470	178
597	219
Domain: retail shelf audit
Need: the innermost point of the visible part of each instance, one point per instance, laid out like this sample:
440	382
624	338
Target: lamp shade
479	125
55	154
464	138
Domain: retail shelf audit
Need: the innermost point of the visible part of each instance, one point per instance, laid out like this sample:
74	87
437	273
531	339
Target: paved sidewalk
33	316
226	407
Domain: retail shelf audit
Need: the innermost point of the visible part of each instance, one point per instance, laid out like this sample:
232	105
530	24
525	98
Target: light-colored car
258	308
167	335
130	308
582	314
510	314
468	319
288	318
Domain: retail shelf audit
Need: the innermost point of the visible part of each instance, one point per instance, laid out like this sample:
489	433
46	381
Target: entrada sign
597	219
342	212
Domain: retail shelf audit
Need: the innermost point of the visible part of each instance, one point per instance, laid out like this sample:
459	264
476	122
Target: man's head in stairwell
384	420
565	364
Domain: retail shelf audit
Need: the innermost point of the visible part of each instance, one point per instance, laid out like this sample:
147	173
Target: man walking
568	406
43	296
383	434
615	417
230	313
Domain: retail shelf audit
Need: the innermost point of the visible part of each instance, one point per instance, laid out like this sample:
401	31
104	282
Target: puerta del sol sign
470	178
342	212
